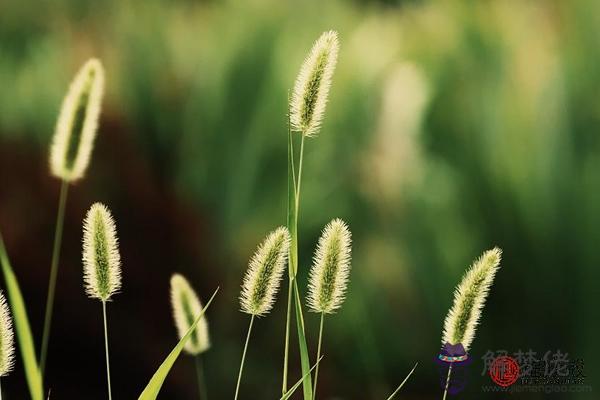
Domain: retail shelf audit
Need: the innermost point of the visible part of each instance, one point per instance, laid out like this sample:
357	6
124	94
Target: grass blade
292	216
403	382
291	207
153	388
22	327
290	392
304	357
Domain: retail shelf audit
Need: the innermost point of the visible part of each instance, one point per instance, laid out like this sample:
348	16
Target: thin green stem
304	357
318	355
200	377
106	350
447	382
58	232
237	388
299	177
403	382
291	149
287	338
291	270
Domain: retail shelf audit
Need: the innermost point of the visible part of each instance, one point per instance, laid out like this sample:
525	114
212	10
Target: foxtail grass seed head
263	276
101	259
469	299
329	274
7	346
73	140
311	90
186	308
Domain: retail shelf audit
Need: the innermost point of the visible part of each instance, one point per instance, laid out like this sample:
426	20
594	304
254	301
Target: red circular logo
504	371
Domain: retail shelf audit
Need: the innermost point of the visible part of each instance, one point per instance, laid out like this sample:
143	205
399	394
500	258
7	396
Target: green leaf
22	328
155	384
290	392
292	218
403	382
304	358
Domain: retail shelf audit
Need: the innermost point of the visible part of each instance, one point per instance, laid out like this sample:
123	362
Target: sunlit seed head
469	298
330	272
263	276
101	259
311	90
77	123
7	346
186	308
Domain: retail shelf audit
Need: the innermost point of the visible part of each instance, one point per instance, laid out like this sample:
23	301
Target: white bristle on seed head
311	90
101	259
330	272
469	298
7	338
73	140
186	308
263	276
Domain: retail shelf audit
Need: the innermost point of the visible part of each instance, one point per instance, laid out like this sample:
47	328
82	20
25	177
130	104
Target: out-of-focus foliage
452	127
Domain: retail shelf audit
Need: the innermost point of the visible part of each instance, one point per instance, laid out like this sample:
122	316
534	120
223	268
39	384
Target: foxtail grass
70	154
469	299
101	264
261	282
311	90
329	276
186	308
7	345
306	110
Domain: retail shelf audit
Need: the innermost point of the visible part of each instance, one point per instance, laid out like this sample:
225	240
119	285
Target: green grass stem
58	233
106	350
237	387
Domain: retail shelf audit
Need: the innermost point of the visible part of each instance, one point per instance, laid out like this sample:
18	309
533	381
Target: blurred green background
452	127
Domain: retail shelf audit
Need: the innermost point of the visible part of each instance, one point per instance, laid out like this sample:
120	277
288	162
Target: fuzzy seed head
77	123
7	337
469	299
330	272
263	276
101	259
186	308
311	90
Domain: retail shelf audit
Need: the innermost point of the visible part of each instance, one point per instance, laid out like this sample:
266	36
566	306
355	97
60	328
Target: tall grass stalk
106	350
469	299
318	355
306	110
261	282
70	154
402	383
101	264
58	233
329	275
239	379
200	378
447	382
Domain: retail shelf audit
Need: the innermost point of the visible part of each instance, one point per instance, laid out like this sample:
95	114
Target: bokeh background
452	127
